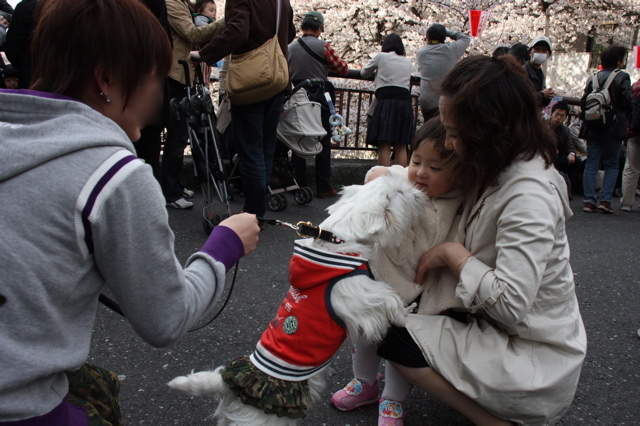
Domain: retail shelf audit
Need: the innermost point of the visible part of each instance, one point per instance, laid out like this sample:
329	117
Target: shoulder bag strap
313	54
278	19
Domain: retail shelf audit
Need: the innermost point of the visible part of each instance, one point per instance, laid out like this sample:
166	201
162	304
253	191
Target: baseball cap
315	16
542	39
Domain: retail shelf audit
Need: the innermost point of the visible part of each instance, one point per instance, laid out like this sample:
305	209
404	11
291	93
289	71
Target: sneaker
187	193
625	208
589	207
390	413
605	207
181	204
355	394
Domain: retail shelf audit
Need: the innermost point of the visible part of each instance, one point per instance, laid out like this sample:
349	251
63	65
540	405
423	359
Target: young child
433	170
205	13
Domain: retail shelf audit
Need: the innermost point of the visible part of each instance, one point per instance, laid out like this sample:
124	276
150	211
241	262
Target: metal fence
353	99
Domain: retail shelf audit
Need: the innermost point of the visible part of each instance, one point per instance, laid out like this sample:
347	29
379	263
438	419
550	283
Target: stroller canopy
300	127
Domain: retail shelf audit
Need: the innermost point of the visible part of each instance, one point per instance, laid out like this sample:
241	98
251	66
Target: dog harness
305	333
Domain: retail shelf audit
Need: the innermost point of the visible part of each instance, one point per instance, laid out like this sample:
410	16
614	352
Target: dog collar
307	230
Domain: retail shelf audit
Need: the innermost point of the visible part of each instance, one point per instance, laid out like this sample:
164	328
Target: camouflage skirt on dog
273	396
96	389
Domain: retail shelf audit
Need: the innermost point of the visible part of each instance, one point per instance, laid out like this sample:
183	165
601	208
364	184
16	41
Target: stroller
205	148
300	131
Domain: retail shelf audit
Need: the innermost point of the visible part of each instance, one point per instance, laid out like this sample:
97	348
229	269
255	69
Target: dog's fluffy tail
201	383
367	307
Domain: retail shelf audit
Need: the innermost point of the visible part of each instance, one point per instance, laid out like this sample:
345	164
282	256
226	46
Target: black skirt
392	121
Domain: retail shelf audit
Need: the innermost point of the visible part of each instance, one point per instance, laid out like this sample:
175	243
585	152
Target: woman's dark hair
432	130
612	55
310	24
499	51
437	32
73	38
492	106
198	5
520	51
393	43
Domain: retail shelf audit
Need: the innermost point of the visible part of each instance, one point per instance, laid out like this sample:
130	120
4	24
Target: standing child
433	170
205	13
392	122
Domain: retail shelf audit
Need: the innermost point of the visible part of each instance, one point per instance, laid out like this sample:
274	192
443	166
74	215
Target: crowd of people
496	331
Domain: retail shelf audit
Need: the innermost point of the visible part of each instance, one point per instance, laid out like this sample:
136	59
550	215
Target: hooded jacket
81	212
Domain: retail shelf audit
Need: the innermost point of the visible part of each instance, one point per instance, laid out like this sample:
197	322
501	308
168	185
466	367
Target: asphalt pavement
605	256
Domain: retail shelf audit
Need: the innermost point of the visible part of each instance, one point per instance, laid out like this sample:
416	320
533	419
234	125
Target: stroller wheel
209	222
301	196
276	202
309	194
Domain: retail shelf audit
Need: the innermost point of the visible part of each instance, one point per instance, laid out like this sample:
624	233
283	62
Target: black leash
304	229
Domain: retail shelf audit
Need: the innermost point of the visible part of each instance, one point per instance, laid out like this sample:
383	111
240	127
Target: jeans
254	133
607	151
174	145
631	171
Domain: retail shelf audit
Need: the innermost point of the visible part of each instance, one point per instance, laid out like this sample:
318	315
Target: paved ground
605	253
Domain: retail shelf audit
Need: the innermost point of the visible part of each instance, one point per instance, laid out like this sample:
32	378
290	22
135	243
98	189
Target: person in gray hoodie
82	213
435	60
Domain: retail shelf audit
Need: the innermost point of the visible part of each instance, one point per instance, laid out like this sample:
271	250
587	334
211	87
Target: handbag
259	74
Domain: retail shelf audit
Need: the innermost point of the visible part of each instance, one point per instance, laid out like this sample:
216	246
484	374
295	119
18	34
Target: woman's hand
246	226
453	255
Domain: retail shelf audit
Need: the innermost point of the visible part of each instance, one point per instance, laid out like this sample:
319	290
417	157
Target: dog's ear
381	211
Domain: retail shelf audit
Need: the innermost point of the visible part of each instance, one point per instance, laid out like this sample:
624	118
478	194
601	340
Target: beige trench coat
520	355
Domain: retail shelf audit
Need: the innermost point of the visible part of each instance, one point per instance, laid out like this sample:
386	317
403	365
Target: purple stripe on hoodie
224	245
88	207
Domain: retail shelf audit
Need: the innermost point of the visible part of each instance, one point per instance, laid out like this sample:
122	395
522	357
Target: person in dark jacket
567	160
603	144
249	24
18	43
539	52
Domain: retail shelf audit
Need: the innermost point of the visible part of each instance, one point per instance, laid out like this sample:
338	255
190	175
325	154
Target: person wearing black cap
311	57
539	52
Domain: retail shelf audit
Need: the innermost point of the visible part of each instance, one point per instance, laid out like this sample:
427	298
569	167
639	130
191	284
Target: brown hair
198	5
432	131
73	38
492	103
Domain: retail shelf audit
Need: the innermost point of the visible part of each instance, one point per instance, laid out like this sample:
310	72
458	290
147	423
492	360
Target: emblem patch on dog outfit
290	325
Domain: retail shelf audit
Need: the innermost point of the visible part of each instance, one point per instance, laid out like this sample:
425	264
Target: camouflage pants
96	389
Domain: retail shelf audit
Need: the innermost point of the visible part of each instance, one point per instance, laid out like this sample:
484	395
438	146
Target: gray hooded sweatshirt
79	212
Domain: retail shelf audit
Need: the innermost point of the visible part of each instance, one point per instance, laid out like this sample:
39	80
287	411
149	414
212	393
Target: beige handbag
259	74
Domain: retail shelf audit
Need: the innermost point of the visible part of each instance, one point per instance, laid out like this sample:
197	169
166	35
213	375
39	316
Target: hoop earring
106	96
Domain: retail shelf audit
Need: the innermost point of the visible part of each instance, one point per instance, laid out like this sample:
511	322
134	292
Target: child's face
209	10
428	172
11	82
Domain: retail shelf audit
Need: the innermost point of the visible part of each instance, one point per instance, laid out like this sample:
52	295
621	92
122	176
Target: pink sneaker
390	413
355	394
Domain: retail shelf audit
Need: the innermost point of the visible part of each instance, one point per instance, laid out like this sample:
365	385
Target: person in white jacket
517	357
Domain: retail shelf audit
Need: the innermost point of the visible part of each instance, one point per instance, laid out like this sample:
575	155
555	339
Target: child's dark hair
433	130
198	5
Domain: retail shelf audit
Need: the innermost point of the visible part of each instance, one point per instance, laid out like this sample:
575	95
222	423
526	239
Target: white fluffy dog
331	296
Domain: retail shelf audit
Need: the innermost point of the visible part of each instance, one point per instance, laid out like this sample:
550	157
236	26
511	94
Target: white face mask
539	58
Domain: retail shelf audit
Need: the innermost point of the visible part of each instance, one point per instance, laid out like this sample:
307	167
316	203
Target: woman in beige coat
518	356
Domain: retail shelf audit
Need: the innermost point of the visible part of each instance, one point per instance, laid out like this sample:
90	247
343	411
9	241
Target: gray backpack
598	111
